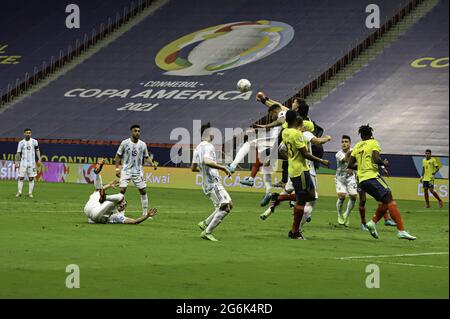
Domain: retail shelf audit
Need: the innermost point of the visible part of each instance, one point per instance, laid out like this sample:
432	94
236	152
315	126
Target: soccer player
133	152
366	158
27	152
204	161
298	169
429	168
345	182
109	209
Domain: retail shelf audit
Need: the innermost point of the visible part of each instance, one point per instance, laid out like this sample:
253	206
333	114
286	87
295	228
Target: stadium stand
406	102
35	33
65	109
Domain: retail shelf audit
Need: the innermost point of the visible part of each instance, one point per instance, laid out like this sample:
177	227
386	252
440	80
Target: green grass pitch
165	258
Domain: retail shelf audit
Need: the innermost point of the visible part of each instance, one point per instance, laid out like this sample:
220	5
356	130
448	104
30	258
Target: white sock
210	217
114	198
19	186
218	216
307	211
339	205
144	203
31	186
268	182
350	205
243	151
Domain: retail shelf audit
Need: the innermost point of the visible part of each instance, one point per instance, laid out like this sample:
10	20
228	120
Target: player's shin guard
350	205
395	214
381	210
268	182
217	218
144	203
19	186
298	215
117	198
339	205
243	151
362	214
31	186
210	217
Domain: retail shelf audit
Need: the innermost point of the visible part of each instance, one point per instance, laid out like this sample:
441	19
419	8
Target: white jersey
269	140
132	156
341	170
27	150
211	177
309	136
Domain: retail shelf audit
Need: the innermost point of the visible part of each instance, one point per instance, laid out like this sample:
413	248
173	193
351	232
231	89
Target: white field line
399	255
402	264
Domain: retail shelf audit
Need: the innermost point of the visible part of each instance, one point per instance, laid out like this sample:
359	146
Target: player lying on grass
205	161
109	209
365	158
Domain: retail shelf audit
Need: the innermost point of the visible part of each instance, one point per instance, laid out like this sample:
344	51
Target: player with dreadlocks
365	158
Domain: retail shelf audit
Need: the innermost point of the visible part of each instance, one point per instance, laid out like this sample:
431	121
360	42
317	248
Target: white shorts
138	180
101	213
347	186
219	196
30	171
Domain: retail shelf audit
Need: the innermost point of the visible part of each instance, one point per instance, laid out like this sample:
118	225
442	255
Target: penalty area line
398	255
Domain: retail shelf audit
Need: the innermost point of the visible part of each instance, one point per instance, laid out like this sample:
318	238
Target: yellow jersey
294	141
430	166
309	125
362	151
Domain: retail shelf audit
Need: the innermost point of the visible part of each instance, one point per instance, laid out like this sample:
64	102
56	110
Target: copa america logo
223	47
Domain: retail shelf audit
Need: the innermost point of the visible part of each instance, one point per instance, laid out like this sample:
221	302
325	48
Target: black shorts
375	187
428	184
302	186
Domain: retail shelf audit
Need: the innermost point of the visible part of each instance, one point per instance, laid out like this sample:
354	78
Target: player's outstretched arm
261	97
112	184
321	140
275	123
313	158
150	213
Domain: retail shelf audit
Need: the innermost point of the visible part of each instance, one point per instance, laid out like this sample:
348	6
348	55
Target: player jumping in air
133	152
366	158
429	168
109	209
205	161
27	152
298	169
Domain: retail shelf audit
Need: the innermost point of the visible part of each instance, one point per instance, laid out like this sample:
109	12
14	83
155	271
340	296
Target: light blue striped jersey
132	155
210	176
27	150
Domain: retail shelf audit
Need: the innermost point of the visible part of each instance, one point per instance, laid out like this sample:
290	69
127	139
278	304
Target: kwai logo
223	47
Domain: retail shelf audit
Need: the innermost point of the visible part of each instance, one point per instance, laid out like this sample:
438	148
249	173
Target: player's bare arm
275	123
117	161
352	163
376	157
261	97
194	167
150	213
18	158
212	164
113	184
313	158
321	140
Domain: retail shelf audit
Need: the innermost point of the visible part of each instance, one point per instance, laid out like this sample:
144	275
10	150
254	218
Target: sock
427	198
243	151
395	214
255	168
350	205
144	203
268	182
20	185
298	215
283	198
115	198
362	214
307	212
339	205
381	210
435	194
210	217
31	186
285	175
218	216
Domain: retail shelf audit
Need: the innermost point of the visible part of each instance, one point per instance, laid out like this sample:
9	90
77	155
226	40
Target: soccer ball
244	85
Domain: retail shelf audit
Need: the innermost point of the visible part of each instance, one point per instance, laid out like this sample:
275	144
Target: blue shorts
375	187
302	186
428	184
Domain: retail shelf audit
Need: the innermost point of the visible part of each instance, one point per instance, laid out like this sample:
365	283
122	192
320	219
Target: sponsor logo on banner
223	47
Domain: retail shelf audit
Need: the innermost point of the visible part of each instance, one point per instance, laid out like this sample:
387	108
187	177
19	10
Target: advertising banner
164	177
